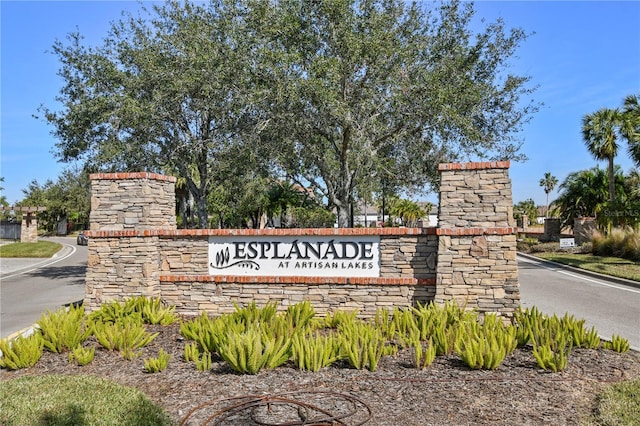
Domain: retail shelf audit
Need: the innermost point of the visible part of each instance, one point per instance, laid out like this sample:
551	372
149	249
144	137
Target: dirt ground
446	393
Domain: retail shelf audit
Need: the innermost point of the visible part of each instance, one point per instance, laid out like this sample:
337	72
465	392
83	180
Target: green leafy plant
315	352
202	330
553	355
156	365
64	329
583	338
142	308
114	310
362	345
252	314
191	352
617	344
384	321
300	314
155	312
335	318
203	362
125	336
423	356
485	346
526	322
444	339
250	351
552	346
21	352
82	355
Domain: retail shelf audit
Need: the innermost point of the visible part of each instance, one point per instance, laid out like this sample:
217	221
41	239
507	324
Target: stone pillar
583	229
551	229
477	238
132	201
29	228
127	211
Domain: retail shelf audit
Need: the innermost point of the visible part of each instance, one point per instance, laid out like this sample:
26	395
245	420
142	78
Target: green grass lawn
39	249
613	266
618	405
75	400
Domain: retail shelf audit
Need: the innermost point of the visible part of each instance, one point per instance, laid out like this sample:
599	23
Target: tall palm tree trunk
612	183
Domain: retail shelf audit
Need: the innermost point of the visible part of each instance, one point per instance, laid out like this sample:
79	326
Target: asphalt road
29	287
612	308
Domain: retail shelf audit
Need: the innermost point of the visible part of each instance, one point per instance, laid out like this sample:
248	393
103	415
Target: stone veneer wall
121	201
29	229
407	269
477	238
135	249
583	229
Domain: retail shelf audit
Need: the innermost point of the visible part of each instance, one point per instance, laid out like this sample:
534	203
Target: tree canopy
586	194
68	197
344	96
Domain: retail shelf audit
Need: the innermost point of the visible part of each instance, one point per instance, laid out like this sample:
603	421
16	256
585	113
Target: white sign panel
567	242
318	256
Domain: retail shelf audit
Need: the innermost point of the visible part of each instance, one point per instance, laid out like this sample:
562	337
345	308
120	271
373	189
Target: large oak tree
341	95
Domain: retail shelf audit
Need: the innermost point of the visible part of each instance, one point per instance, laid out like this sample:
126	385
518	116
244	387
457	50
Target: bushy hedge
623	243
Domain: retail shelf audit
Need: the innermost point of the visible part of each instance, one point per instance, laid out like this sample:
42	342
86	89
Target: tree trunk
612	184
343	215
201	206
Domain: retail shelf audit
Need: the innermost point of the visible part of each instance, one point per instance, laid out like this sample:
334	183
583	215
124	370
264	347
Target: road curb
621	281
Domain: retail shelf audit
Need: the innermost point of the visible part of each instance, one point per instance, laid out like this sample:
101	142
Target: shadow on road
525	265
75	274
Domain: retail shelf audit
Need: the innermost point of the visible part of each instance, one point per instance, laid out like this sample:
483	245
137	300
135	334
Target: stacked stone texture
29	229
412	256
135	249
191	297
475	197
477	264
583	229
121	201
122	265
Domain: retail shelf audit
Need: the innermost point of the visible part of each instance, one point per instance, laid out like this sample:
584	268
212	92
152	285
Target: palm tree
548	182
631	126
600	132
582	194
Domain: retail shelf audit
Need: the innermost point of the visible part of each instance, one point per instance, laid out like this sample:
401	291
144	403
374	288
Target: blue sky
584	55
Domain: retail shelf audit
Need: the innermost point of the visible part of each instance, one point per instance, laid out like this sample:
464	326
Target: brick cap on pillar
474	165
131	175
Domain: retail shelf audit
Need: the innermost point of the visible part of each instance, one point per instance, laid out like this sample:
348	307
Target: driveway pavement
29	287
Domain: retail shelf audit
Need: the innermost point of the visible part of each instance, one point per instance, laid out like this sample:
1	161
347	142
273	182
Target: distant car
82	239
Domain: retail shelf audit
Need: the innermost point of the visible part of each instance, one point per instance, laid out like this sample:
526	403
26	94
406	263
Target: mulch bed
446	393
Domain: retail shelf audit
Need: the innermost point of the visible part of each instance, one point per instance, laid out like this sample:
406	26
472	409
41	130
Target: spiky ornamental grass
156	365
423	356
252	350
155	312
21	352
203	362
300	315
362	344
316	351
617	344
552	344
114	310
126	336
81	355
64	329
485	346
